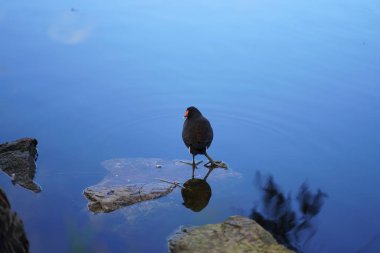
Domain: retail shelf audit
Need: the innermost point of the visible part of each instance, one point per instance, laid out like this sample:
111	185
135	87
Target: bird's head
191	112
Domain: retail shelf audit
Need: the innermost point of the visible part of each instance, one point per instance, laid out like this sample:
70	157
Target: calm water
290	87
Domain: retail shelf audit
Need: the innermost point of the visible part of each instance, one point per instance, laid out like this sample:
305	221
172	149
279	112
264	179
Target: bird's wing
203	133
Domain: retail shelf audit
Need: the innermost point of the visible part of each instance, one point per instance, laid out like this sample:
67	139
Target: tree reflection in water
276	214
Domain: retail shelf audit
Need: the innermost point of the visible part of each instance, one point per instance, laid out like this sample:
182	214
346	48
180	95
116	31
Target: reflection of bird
196	194
12	234
197	135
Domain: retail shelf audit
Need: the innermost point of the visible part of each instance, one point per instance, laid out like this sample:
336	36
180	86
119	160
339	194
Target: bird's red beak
186	113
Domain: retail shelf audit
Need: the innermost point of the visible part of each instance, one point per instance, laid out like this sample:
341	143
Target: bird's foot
216	164
192	164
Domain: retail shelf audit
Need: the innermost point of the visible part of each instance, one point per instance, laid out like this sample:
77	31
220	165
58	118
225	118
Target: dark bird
197	135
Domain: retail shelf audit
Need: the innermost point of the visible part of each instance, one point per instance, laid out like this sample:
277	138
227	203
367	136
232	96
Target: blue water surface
290	87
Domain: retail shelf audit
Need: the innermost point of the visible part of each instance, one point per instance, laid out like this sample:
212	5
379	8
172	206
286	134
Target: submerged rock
12	233
129	181
236	234
133	180
17	159
108	199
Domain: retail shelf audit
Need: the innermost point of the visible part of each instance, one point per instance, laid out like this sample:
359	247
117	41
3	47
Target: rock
145	170
236	234
17	159
133	180
12	233
108	199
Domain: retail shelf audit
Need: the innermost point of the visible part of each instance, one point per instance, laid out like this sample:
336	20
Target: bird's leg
208	173
209	158
195	164
192	164
214	164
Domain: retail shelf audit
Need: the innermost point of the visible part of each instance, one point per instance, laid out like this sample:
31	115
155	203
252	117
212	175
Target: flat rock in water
236	234
134	180
108	199
17	159
146	170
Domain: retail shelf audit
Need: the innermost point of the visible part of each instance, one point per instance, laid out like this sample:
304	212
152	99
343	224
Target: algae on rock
236	234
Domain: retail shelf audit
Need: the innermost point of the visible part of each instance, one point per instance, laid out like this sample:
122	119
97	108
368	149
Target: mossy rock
237	234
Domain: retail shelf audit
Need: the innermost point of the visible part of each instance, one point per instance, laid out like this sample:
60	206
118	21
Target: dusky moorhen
197	135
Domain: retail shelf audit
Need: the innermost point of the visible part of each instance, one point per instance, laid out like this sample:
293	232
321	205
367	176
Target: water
291	89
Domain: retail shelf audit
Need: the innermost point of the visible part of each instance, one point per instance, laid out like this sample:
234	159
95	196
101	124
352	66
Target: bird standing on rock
197	135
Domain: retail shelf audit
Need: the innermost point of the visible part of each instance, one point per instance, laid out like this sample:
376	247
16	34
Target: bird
197	134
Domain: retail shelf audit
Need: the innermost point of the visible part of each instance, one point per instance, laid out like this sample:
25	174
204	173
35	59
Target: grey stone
237	234
111	198
17	159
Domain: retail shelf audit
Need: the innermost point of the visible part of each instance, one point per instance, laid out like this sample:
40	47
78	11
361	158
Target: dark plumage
197	132
197	135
